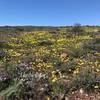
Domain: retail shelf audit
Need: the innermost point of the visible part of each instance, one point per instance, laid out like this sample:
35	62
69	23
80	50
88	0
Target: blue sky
49	12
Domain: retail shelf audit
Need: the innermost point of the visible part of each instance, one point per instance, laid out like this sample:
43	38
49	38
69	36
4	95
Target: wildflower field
56	63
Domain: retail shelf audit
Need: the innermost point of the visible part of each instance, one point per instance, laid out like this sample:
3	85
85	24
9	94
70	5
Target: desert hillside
50	63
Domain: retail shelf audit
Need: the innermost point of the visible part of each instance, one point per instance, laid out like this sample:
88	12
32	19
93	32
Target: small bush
45	43
2	54
70	66
87	80
92	45
76	52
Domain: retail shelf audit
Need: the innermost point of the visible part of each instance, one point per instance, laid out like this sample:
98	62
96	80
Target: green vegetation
49	63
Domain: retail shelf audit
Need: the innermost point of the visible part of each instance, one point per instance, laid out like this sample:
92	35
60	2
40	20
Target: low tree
77	29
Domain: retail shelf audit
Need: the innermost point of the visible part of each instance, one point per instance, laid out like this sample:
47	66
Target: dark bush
45	43
4	44
2	54
77	29
4	79
87	79
92	45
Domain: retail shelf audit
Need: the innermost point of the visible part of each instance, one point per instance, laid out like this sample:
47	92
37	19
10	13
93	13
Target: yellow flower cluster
64	57
76	71
13	53
80	62
54	77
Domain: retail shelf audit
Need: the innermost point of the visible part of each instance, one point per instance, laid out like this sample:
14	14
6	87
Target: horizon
46	25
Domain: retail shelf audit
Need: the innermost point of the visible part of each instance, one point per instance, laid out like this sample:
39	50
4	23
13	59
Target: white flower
81	91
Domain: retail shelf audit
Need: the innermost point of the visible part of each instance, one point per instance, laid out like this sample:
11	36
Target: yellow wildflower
54	80
96	87
48	98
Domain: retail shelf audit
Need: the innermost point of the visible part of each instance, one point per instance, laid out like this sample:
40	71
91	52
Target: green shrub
76	52
68	67
45	43
87	79
92	45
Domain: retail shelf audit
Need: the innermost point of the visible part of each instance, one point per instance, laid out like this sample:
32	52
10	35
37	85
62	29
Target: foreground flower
54	80
96	87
